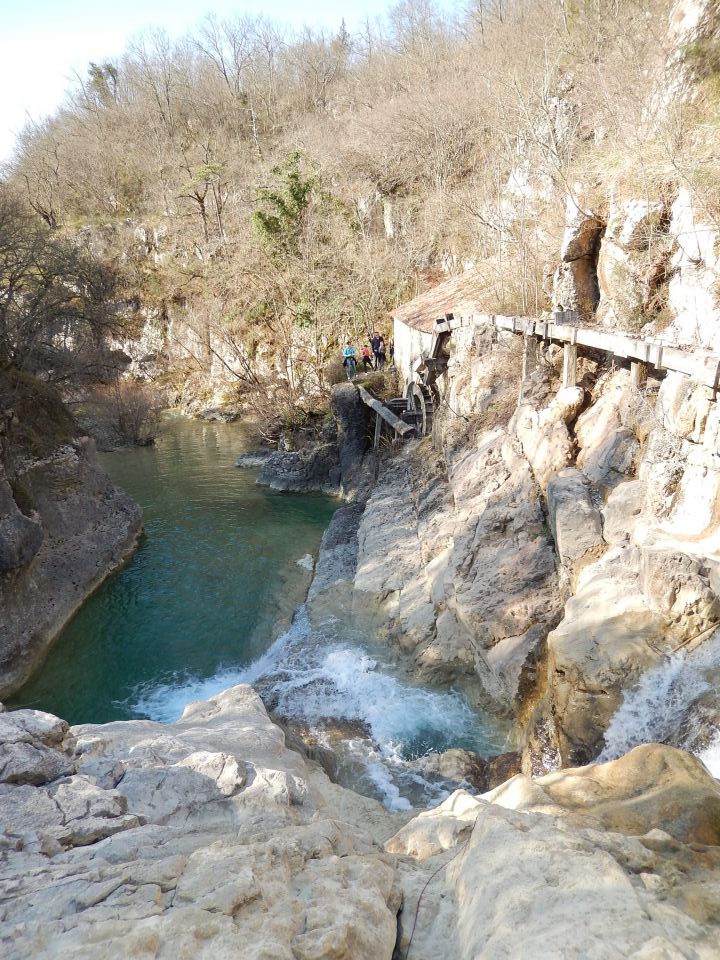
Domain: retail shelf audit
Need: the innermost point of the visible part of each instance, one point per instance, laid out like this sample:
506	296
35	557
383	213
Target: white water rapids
660	708
329	677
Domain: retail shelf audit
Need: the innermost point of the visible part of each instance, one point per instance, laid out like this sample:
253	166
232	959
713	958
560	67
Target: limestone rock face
544	434
20	536
693	295
575	285
633	227
674	586
652	458
574	519
82	528
204	838
652	786
34	747
209	838
461	573
609	448
572	865
607	638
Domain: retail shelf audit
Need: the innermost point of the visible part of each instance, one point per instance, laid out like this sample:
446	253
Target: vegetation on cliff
285	190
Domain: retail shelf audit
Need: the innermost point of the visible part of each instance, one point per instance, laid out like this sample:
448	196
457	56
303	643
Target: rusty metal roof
461	296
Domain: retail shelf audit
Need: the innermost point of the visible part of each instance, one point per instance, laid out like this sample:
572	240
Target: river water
207	601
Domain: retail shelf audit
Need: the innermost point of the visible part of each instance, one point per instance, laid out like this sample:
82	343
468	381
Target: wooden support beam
638	374
529	362
569	365
378	431
530	356
398	425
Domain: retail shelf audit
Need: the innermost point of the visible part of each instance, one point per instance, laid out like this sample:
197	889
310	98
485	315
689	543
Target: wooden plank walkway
700	365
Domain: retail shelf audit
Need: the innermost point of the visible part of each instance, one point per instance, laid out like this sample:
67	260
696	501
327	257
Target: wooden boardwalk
701	365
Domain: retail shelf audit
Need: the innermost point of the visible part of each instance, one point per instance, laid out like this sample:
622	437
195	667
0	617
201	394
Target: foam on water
320	677
656	710
710	756
650	712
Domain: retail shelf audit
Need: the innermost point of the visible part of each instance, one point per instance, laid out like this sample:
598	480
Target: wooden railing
700	365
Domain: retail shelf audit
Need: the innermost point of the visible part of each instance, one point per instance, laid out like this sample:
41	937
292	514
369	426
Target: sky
44	42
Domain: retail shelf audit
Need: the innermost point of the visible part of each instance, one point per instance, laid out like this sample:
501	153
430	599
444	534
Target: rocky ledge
208	838
71	528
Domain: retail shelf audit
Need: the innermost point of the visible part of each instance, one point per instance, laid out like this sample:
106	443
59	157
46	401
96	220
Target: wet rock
461	577
456	766
502	768
330	592
352	430
700	723
301	471
607	638
255	459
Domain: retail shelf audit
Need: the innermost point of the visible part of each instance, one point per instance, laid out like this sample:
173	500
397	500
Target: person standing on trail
349	361
375	339
392	354
381	354
366	361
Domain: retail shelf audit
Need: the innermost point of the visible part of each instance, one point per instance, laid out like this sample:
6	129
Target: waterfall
661	708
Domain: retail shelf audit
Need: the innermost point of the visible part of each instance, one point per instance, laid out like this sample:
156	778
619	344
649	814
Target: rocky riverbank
208	837
64	527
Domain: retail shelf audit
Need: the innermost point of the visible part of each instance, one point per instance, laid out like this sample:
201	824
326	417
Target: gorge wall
569	543
63	525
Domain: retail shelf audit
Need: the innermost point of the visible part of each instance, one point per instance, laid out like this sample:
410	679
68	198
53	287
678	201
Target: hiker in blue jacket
349	361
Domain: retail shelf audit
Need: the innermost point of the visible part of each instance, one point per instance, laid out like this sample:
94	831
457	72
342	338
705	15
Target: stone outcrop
575	521
77	528
575	283
461	573
634	226
337	465
300	471
207	837
572	865
653	461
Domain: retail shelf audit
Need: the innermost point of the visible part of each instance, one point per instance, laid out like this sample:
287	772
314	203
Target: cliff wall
63	525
